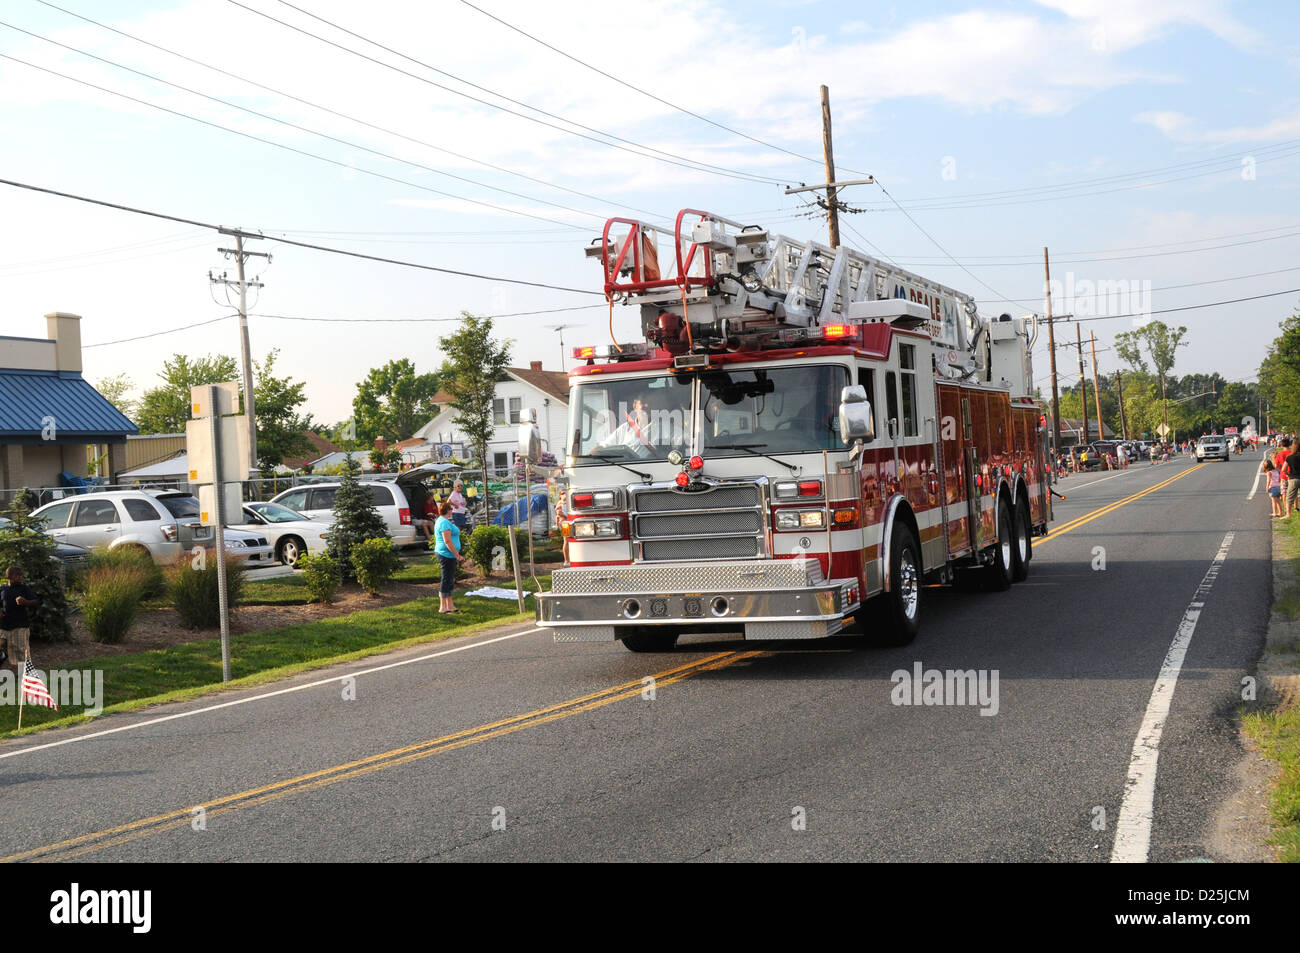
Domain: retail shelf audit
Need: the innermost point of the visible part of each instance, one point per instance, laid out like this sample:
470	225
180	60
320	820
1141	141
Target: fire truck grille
723	497
719	547
725	522
735	522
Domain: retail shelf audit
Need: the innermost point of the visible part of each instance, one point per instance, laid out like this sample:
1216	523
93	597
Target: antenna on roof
559	328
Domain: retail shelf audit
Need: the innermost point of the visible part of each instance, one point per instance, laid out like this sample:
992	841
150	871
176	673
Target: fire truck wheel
894	617
650	639
999	576
1022	547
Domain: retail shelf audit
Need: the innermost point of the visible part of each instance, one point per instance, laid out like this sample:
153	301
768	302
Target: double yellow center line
99	840
1111	507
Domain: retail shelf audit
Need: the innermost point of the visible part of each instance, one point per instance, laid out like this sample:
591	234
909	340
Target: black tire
650	639
894	617
1022	549
289	550
999	576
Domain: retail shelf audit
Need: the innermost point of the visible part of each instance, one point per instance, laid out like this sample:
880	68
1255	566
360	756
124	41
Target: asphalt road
510	747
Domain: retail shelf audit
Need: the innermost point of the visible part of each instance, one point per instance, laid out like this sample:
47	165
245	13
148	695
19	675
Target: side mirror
856	419
530	438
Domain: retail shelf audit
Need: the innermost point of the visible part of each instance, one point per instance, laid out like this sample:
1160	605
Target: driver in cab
635	434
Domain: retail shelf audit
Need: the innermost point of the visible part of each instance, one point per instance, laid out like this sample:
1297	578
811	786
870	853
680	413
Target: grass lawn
192	668
1278	735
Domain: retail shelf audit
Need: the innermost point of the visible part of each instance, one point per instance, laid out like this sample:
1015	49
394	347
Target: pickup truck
1207	448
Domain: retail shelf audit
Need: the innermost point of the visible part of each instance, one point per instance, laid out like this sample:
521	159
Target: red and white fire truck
805	438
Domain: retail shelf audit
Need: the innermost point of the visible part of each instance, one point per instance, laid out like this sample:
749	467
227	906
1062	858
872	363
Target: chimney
381	444
535	365
65	331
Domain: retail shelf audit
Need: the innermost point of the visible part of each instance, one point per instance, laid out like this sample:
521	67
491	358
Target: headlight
800	519
234	544
588	529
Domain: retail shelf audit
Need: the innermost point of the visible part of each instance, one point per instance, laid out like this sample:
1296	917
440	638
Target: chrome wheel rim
1022	541
909	588
289	554
1006	544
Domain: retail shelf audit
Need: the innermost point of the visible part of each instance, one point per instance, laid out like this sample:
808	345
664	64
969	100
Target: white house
523	389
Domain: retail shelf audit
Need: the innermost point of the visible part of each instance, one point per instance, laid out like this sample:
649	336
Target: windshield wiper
752	448
601	456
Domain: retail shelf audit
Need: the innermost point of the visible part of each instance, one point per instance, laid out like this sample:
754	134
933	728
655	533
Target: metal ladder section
720	269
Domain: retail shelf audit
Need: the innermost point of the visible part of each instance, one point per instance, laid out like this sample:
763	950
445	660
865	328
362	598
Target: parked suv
397	500
1212	446
164	524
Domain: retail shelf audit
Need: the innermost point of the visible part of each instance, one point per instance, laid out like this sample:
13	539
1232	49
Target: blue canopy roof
32	400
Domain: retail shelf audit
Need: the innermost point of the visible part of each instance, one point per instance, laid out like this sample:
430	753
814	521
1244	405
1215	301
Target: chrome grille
725	521
688	577
749	522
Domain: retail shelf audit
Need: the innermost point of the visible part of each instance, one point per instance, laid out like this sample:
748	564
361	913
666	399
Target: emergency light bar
611	352
827	332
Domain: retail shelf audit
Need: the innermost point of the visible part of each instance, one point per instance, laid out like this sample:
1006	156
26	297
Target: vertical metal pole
1083	388
249	408
528	506
832	208
1051	351
218	512
514	546
1123	421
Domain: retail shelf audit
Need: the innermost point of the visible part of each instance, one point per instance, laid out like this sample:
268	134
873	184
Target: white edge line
1254	483
264	695
1137	810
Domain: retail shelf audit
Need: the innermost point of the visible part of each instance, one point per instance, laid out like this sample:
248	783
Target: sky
1153	146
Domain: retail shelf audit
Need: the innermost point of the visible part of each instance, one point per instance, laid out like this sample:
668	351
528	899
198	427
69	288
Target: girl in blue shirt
447	546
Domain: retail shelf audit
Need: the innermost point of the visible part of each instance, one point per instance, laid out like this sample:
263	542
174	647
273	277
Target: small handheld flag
34	689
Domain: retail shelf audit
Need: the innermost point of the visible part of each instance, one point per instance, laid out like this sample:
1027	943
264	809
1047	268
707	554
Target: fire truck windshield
780	410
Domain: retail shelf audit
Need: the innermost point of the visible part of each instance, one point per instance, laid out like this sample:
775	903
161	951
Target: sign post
218	445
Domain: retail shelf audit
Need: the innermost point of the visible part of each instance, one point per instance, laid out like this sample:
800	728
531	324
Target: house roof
554	384
33	401
320	446
1074	424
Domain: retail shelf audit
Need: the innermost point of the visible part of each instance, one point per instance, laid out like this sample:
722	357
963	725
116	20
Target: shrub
488	547
152	582
375	562
111	600
195	593
355	520
321	573
23	544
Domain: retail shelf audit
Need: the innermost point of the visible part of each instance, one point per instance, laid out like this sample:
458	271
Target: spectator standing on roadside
1274	479
459	506
1291	471
15	599
447	535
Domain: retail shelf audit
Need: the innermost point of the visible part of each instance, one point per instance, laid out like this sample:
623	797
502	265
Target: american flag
34	690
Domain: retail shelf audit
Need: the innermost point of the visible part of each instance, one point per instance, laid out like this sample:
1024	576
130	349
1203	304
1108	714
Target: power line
1189	284
1189	307
1163	254
157	334
314	132
341	115
293	242
511	314
643	92
694	165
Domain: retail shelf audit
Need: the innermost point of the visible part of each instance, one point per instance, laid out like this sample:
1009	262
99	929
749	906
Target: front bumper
771	599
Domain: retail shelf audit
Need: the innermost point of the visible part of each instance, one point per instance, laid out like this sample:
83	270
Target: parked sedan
72	556
289	532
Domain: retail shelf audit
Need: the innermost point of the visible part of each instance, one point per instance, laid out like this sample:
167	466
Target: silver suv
163	523
398	502
1212	446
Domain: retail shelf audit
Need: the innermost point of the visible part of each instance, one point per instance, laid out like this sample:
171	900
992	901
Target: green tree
280	428
165	409
393	401
24	544
355	519
474	365
1156	340
115	390
1279	377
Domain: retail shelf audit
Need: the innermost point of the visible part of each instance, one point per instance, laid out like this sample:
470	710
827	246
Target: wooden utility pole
1083	385
1051	356
832	208
240	256
1119	388
1096	387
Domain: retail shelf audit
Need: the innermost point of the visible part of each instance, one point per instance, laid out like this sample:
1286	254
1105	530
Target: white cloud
1182	128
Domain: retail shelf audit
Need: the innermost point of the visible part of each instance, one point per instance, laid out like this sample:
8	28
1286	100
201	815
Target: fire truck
804	439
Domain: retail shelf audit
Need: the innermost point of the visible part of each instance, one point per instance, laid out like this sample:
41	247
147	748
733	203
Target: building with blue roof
52	421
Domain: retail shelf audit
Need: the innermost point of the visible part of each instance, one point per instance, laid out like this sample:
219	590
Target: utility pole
832	210
832	187
1096	387
1051	352
242	285
559	329
1119	387
1083	385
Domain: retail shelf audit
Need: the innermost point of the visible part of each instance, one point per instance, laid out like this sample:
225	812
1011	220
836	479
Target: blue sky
1044	104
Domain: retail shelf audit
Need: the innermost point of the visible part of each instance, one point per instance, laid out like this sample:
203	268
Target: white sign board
234	449
1163	430
225	397
232	502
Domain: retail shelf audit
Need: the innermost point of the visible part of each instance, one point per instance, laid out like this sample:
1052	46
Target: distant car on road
1207	448
290	533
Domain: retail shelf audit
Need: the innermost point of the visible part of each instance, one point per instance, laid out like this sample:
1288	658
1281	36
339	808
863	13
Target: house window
516	404
498	411
500	461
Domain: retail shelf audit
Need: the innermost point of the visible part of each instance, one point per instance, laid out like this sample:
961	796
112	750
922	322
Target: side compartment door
954	416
